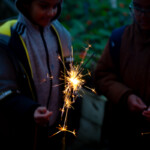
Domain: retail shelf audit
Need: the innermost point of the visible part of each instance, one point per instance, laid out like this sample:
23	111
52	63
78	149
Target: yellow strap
33	96
27	54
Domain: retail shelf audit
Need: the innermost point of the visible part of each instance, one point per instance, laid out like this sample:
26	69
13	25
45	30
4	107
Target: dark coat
132	77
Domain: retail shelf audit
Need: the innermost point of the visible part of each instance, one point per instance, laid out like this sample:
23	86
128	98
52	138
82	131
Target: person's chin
45	23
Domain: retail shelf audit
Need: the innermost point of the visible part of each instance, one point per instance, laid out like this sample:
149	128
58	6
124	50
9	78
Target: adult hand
42	115
135	104
146	114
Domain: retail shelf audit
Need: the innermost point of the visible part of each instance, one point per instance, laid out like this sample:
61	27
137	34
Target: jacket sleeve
106	79
11	99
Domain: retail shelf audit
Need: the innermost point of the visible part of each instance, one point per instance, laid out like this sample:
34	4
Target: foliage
91	22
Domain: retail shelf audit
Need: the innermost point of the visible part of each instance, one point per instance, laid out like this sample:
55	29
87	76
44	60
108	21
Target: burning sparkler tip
144	133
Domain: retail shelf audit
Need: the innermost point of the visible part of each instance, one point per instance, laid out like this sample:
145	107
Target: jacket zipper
48	65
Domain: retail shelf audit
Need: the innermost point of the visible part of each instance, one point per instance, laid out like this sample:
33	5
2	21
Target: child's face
41	12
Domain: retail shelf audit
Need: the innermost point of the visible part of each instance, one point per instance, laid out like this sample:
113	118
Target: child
29	72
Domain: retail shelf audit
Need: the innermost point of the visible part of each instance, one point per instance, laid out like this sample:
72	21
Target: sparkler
145	133
74	82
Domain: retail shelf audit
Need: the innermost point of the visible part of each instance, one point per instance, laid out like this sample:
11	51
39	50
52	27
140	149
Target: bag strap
115	43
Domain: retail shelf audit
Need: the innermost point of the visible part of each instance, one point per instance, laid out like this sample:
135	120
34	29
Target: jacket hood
19	2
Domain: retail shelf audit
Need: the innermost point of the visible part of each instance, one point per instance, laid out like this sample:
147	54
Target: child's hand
42	115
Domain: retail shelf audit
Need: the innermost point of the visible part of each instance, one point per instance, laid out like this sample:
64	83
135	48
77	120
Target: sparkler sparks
74	79
48	77
74	82
64	129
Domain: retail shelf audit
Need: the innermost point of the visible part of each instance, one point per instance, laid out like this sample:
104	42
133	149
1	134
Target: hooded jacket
18	89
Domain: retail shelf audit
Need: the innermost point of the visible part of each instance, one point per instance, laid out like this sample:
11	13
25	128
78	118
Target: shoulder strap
115	43
24	67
